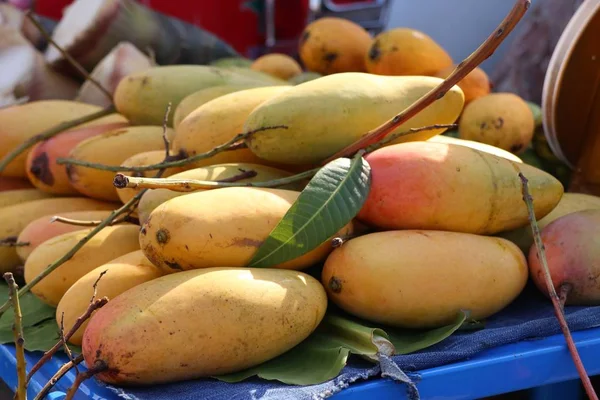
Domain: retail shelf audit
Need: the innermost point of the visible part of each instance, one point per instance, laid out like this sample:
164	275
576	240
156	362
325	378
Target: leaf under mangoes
331	200
324	354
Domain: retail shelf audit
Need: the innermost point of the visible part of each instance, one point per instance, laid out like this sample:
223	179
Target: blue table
543	364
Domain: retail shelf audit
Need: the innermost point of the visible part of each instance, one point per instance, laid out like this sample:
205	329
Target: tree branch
21	393
59	374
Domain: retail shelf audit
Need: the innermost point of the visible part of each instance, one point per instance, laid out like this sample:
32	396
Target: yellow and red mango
441	186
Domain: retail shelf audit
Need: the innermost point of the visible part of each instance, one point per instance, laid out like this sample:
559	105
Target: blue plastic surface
504	369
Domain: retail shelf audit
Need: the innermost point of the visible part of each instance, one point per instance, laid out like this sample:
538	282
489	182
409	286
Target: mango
14	184
503	120
120	274
41	167
108	244
139	160
475	85
21	122
278	65
304	77
440	186
332	45
16	217
220	227
423	279
111	148
42	229
573	257
325	115
232	61
155	197
405	51
249	316
569	203
477	146
18	196
143	96
218	121
202	96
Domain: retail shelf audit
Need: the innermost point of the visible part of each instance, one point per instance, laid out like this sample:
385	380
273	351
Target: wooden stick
463	69
59	374
556	300
97	368
21	393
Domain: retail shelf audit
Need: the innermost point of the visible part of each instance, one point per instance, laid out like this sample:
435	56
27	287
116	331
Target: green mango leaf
324	354
40	329
331	199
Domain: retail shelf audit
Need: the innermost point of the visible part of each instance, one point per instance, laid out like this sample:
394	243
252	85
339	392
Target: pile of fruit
430	224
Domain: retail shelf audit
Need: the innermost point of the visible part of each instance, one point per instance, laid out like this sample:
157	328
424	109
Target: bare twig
96	304
228	146
11	241
67	56
98	367
556	300
189	185
55	130
484	51
64	340
164	133
21	393
95	286
59	374
244	174
76	222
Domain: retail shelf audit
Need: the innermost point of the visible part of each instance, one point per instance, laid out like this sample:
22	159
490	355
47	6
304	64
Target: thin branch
59	374
55	130
228	146
96	304
556	300
190	185
21	393
64	340
164	133
76	222
66	55
484	51
244	174
95	286
11	241
100	366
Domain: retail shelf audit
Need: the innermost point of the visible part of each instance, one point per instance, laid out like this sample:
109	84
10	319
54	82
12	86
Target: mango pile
444	227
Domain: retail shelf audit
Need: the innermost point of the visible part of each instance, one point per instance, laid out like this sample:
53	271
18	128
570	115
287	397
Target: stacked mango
425	245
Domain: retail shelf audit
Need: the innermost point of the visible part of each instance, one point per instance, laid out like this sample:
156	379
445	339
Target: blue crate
544	365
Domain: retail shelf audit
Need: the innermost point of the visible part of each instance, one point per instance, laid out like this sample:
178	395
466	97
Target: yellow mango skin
148	334
477	146
140	160
16	217
220	227
122	273
325	115
111	148
18	196
196	99
441	186
108	244
143	96
422	279
155	197
218	121
569	203
21	122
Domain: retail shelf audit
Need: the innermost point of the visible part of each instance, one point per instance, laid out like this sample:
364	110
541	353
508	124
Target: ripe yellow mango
440	186
18	196
108	244
568	204
42	229
323	116
218	121
155	197
422	279
142	159
143	96
477	146
21	122
120	274
111	148
220	227
202	96
149	335
16	217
